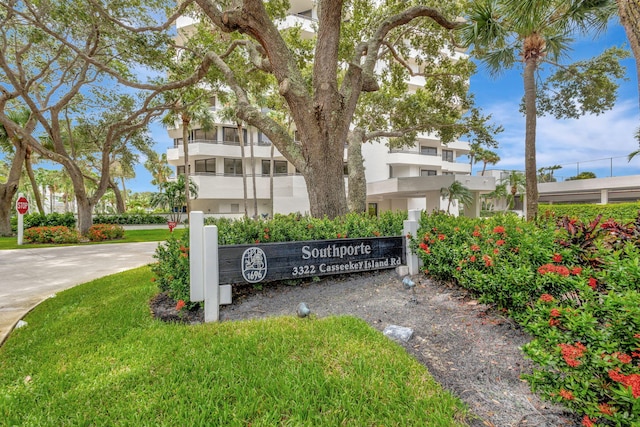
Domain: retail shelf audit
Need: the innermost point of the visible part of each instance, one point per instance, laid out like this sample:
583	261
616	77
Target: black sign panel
293	260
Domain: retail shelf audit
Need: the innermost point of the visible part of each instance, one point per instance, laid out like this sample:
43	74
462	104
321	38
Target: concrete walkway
29	276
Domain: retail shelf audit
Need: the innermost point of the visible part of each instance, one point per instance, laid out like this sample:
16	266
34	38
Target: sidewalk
29	276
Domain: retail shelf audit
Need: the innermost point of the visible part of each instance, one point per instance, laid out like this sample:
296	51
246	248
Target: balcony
210	148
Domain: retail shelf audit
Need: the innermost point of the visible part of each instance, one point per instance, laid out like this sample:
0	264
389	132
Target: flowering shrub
56	234
172	268
574	286
100	232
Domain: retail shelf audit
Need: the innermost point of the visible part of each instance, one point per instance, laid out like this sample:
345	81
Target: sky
598	144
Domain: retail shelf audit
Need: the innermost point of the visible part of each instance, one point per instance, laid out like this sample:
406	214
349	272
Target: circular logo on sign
254	265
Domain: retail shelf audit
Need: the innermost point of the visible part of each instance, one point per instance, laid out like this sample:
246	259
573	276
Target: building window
428	151
231	135
428	172
202	135
177	142
180	170
279	167
233	167
448	173
263	139
206	166
447	156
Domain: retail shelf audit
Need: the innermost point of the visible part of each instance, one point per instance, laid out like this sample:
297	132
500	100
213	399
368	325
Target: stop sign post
22	206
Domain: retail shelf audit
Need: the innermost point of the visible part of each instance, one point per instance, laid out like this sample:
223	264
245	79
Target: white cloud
596	143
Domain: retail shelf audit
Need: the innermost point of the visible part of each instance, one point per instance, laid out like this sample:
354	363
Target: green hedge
621	212
50	220
129	219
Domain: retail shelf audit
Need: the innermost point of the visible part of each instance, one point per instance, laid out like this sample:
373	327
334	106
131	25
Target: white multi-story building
398	179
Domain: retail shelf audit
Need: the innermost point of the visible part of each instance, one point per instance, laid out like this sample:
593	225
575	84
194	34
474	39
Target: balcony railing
215	141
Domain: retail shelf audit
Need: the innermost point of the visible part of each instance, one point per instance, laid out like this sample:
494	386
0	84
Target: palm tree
505	32
456	191
516	183
158	166
172	196
486	157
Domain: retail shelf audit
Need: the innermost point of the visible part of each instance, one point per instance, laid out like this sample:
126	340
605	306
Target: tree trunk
271	165
9	189
357	180
484	168
244	169
120	207
629	12
530	139
324	172
85	210
32	180
253	178
185	148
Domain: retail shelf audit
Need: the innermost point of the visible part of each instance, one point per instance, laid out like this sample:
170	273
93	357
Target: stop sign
22	205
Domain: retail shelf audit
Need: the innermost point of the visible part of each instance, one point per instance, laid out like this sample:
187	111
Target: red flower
576	271
425	248
555	313
593	283
632	380
566	394
475	248
570	353
551	268
498	229
605	409
441	237
636	336
376	233
496	251
557	258
472	258
476	233
180	305
587	422
500	242
153	279
487	260
554	322
266	237
339	236
624	358
546	298
459	268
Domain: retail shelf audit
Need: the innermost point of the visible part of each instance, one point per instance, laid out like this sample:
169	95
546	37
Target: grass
94	356
130	236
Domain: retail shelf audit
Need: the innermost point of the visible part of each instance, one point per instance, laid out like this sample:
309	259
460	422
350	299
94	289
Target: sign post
22	206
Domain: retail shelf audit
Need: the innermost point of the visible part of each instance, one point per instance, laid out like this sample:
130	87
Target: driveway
29	276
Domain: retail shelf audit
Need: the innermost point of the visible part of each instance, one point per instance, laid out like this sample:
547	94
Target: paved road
29	276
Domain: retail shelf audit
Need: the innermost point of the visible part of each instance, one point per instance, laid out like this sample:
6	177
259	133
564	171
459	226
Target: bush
100	232
172	268
56	234
620	212
129	219
575	286
50	220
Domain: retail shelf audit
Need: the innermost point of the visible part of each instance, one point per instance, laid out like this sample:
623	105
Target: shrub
129	219
172	268
50	220
100	232
575	286
57	234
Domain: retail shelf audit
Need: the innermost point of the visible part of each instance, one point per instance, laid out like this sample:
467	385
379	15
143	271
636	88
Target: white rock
398	333
20	324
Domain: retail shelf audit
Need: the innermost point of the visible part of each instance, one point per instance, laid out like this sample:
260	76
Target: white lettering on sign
324	268
336	251
254	265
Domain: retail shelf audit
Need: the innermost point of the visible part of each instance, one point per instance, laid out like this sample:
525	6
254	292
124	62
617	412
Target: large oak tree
350	40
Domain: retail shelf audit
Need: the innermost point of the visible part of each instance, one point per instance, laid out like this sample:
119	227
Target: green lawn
153	235
94	356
